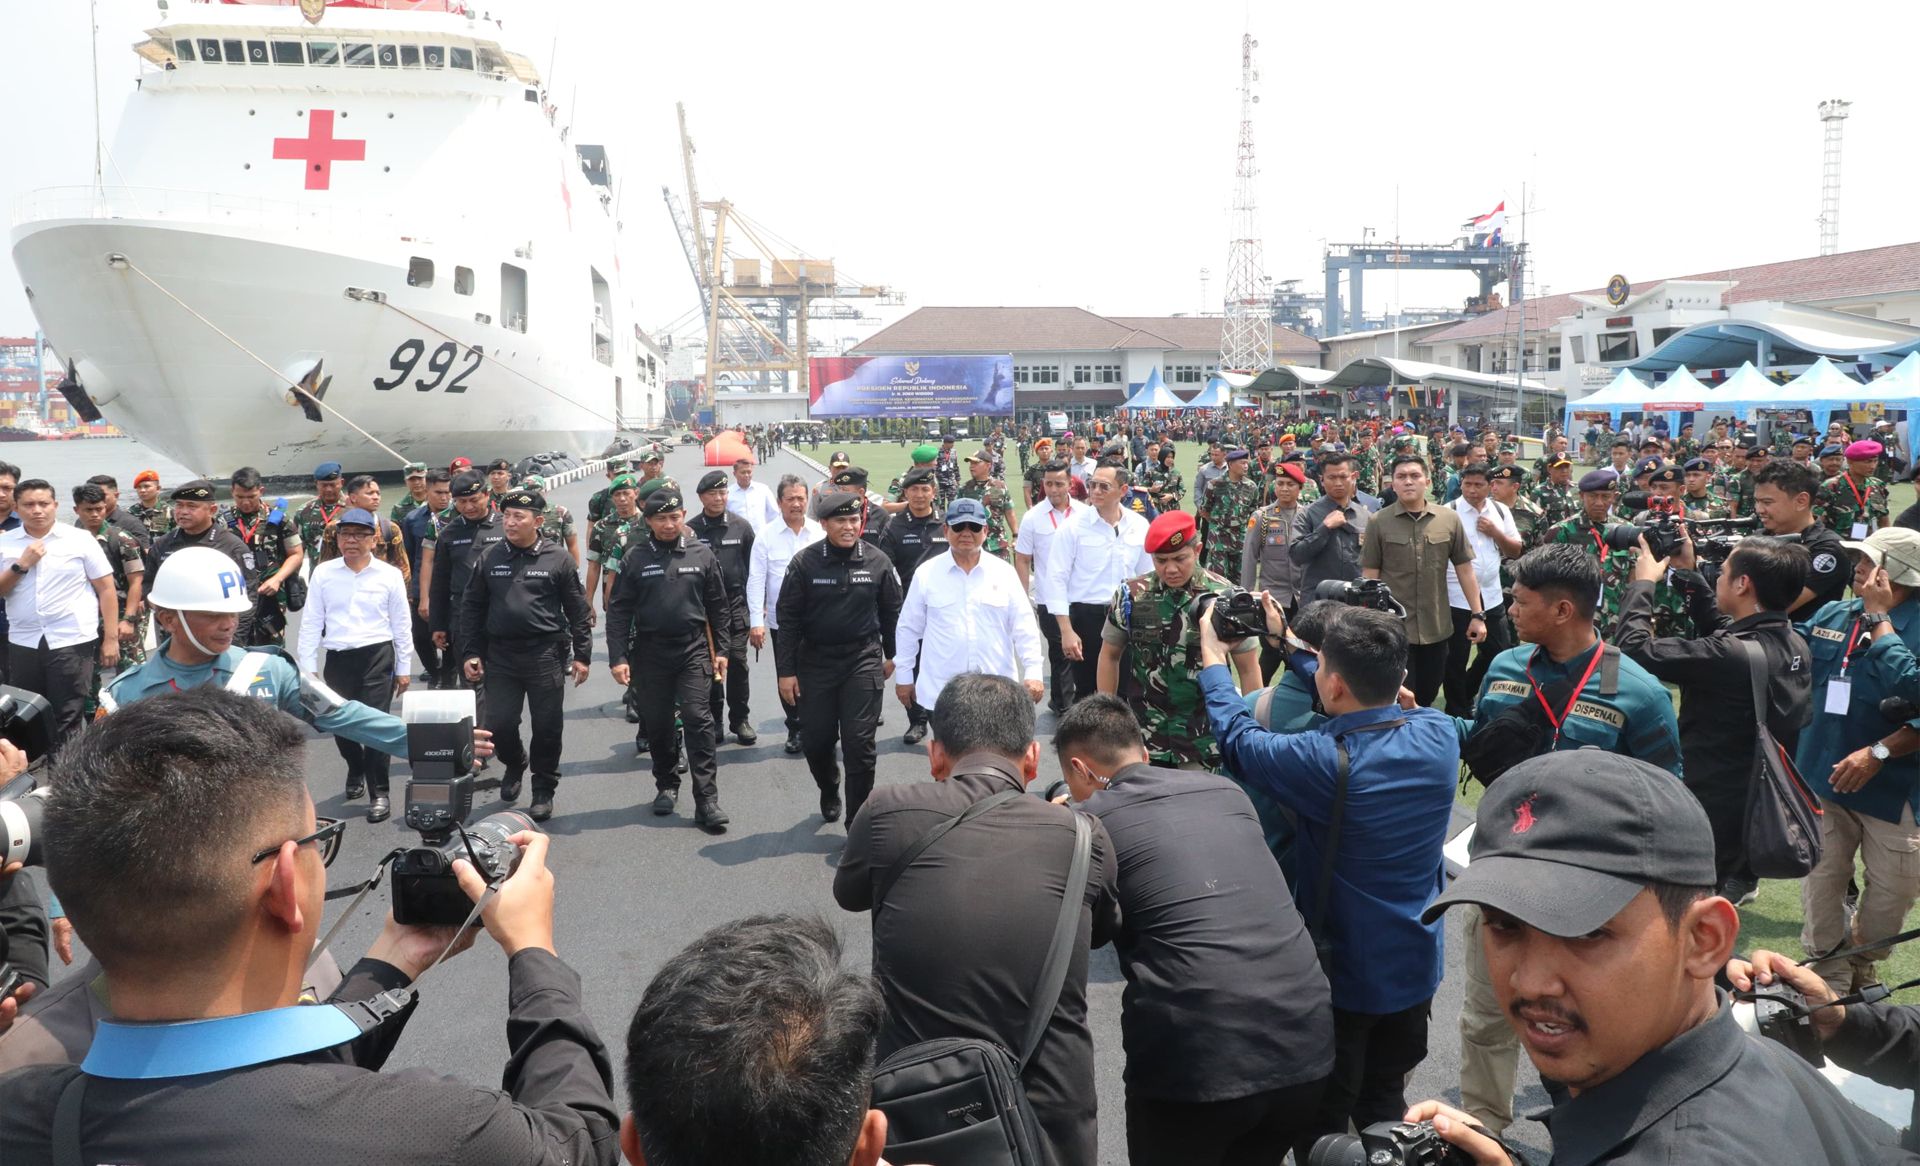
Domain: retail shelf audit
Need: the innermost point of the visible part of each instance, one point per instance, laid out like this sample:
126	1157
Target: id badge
1859	531
1839	696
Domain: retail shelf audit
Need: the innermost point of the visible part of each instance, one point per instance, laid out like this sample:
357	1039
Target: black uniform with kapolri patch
730	538
671	597
200	492
838	609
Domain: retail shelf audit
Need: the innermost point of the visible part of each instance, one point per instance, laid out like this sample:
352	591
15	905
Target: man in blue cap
312	519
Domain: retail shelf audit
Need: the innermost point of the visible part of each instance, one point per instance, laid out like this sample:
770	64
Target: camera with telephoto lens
1237	615
1373	593
1389	1143
439	798
23	803
1782	1015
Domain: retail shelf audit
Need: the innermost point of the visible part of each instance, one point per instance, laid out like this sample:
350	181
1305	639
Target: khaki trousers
1891	853
1489	1048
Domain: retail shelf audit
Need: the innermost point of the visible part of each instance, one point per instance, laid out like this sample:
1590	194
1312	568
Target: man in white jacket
965	612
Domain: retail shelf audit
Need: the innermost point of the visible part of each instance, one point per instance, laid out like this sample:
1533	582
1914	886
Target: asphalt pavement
633	889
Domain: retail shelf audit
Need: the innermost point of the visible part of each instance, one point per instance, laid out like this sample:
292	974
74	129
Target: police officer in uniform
908	538
194	511
671	596
730	538
521	615
456	551
837	612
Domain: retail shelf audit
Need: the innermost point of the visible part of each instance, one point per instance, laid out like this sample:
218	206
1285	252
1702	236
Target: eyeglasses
967	527
1097	484
327	837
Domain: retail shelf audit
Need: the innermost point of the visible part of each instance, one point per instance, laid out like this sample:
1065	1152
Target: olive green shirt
1414	554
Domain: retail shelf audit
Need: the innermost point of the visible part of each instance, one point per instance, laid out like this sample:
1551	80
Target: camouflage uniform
1712	504
312	520
1740	492
404	507
609	539
1224	515
557	526
1366	467
1616	567
946	480
157	519
1671	615
1166	486
600	505
1842	502
993	496
272	541
125	557
389	546
1154	623
1556	503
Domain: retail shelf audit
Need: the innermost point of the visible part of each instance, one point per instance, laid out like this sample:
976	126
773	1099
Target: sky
1047	152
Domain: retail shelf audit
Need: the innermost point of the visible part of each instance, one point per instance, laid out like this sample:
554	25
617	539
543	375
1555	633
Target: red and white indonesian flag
1492	225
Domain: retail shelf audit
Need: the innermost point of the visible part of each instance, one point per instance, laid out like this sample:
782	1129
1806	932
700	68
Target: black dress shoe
510	785
830	805
680	766
380	810
664	800
542	807
793	743
711	818
356	788
642	747
914	734
745	734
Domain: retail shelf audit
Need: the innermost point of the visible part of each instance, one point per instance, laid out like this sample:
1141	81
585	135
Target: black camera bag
1783	815
958	1101
1522	731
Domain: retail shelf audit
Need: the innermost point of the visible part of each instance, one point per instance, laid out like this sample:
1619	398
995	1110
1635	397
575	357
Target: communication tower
1832	114
1246	336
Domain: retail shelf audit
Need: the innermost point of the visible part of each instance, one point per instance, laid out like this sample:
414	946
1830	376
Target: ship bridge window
256	52
209	49
419	272
409	56
286	52
235	52
436	57
463	281
458	58
359	56
389	56
323	52
513	297
183	49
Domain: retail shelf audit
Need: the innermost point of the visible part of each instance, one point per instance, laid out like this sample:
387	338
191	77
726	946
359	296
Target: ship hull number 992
407	357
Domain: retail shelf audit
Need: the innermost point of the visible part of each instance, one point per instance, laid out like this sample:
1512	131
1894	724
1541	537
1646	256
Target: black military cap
853	476
661	502
524	500
1666	473
1599	480
1698	463
837	505
1563	842
468	484
1504	474
1832	451
1647	465
711	480
499	463
917	476
839	458
198	490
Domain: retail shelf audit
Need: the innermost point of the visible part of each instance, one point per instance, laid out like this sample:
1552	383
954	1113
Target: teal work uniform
1876	671
1635	720
275	680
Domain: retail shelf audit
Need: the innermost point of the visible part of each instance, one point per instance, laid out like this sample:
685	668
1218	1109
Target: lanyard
1853	639
1599	650
1857	499
246	532
1599	542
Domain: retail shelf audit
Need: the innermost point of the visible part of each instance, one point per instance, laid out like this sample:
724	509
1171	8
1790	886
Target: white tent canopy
1740	394
1216	395
1153	394
1820	390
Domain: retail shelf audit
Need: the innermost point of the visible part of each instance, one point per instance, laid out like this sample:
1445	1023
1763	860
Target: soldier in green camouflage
1586	529
607	538
1702	498
416	473
601	504
1163	481
922	455
277	553
153	512
1757	456
129	571
312	519
1150	646
1671	614
1854	504
556	524
1555	495
1003	523
1223	515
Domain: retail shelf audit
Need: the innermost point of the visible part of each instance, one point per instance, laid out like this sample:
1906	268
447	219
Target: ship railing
201	207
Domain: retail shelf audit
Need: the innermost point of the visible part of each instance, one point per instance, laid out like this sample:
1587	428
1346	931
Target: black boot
510	785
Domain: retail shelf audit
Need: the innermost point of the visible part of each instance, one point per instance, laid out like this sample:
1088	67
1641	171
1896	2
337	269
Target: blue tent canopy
1217	395
1152	394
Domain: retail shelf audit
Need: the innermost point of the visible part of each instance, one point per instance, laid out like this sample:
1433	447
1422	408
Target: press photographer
182	839
1783	494
1603	937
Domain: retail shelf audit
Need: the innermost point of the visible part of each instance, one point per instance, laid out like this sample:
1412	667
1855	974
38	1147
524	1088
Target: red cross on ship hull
320	149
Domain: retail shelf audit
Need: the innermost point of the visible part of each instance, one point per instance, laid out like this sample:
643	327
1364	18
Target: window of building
1579	348
323	52
1036	374
1186	374
1096	374
1612	346
463	281
513	297
409	56
1662	335
287	52
1553	359
419	272
359	56
183	49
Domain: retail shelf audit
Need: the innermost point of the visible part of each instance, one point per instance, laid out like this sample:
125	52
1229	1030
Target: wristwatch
16	568
1479	615
1874	619
1879	751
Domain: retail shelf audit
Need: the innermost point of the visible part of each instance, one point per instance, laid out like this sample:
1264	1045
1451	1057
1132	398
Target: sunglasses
969	527
327	837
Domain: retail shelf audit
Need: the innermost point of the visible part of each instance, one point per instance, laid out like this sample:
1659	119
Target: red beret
1170	532
1293	470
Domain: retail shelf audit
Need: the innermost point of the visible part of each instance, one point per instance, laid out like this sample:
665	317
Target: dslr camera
439	798
1388	1143
1373	593
1237	615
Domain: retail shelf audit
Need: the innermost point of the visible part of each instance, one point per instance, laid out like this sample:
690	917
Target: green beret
924	454
624	482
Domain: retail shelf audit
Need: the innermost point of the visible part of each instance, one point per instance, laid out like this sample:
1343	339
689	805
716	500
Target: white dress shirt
774	546
1036	534
1486	552
352	609
956	621
753	502
1090	558
55	599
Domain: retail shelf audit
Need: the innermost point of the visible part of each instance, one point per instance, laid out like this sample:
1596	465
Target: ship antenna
93	18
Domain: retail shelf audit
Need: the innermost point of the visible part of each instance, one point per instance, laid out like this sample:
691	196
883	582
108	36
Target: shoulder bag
1783	816
1316	923
958	1101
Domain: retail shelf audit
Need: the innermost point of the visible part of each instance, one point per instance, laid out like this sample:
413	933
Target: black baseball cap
1563	842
